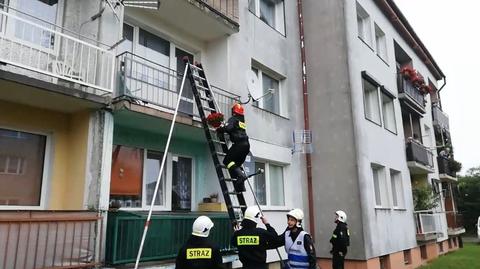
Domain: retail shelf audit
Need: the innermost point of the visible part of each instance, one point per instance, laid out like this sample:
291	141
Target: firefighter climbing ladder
217	144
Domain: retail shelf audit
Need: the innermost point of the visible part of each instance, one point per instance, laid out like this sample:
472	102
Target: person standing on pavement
252	242
340	240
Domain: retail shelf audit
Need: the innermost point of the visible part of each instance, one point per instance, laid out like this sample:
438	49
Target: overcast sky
451	32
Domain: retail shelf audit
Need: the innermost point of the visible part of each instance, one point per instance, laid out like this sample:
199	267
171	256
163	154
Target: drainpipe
308	156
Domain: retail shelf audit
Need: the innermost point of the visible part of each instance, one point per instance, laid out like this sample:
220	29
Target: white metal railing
41	48
428	222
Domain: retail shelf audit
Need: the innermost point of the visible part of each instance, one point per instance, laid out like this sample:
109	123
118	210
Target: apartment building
374	134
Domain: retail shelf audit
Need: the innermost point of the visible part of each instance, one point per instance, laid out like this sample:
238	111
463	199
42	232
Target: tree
469	198
424	198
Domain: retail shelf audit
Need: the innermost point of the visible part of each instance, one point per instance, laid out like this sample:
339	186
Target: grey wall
335	175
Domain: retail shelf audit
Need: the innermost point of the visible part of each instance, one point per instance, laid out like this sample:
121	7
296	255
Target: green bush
424	198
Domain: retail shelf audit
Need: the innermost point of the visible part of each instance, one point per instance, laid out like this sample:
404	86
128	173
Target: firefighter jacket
340	239
236	129
198	253
299	247
252	244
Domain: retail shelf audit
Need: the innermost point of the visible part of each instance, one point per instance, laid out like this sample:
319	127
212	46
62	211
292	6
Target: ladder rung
239	206
196	67
229	179
205	99
198	77
202	87
221	153
234	193
222	166
219	142
208	108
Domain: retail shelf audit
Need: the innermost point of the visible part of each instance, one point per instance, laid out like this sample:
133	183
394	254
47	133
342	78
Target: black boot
237	173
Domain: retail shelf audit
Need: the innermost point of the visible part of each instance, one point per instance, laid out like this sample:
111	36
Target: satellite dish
253	86
150	4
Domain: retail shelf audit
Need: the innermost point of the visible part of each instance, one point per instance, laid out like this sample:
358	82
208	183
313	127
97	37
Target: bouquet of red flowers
426	88
215	119
408	72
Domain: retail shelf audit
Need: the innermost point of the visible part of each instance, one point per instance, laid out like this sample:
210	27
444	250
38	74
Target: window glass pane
372	107
376	185
24	181
152	168
181	183
126	176
277	195
252	6
267	12
260	185
394	188
381	42
43	10
154	48
388	113
271	102
127	44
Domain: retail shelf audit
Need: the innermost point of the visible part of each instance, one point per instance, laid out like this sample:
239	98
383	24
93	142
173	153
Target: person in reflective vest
340	240
298	243
252	242
237	131
198	252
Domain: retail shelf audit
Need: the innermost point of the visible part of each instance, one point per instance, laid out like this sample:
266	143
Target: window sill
383	60
275	29
374	122
365	42
271	208
390	131
382	208
270	112
20	208
399	209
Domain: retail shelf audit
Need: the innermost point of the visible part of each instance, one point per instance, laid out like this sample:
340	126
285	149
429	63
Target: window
134	177
372	106
269	187
380	186
381	43
127	43
397	189
272	12
363	24
45	11
271	91
388	110
153	48
407	256
22	158
384	262
423	252
440	247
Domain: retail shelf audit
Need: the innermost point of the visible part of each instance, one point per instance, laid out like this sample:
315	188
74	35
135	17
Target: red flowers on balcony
215	119
416	79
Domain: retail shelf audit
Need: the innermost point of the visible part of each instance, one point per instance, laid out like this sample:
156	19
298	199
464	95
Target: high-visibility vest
297	256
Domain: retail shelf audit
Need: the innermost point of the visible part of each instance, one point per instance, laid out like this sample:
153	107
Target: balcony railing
166	235
443	166
417	152
428	222
454	220
440	118
406	87
30	44
152	83
228	8
35	239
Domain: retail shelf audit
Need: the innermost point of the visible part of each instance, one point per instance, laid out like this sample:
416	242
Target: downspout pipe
308	157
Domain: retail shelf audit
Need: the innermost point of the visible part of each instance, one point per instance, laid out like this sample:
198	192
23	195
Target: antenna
255	91
112	7
151	4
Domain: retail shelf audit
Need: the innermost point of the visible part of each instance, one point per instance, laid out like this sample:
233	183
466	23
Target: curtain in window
277	195
127	171
260	185
267	12
181	183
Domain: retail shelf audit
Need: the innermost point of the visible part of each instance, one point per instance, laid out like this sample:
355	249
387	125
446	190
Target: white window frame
384	93
397	186
279	14
10	29
168	188
47	167
366	79
364	25
381	43
260	103
382	185
268	194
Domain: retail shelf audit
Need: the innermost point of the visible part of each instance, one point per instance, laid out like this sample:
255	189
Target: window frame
260	103
383	40
279	27
399	193
383	186
268	194
366	22
47	168
385	92
367	79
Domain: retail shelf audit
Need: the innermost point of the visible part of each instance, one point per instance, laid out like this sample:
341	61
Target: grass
468	257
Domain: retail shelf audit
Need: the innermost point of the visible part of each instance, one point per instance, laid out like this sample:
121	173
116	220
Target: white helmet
252	213
297	214
341	216
202	226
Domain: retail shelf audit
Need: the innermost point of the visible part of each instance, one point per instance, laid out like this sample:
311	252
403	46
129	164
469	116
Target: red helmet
237	109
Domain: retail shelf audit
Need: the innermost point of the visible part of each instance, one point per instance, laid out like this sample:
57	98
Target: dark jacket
252	243
198	253
236	129
340	239
307	244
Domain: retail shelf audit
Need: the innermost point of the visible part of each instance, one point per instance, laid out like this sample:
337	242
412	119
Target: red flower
427	89
408	72
215	119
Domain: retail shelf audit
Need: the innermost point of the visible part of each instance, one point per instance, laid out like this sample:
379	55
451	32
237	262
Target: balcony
445	173
455	223
440	118
44	52
54	239
206	20
166	235
428	225
419	158
157	85
410	95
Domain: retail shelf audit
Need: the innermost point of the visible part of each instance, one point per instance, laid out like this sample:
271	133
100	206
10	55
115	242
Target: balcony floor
417	168
447	178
